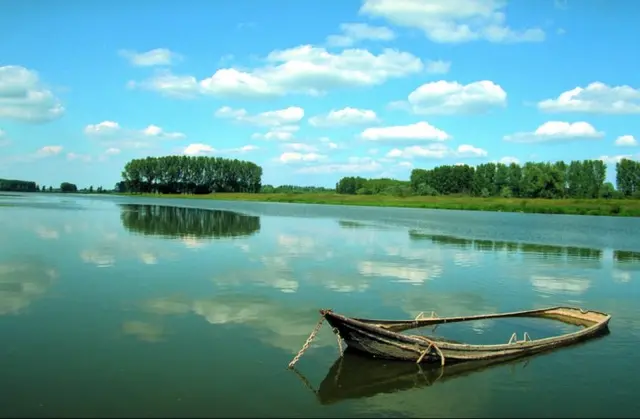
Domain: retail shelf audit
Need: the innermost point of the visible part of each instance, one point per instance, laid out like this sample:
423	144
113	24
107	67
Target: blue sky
314	90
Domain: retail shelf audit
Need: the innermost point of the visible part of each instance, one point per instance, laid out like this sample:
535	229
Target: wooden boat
382	338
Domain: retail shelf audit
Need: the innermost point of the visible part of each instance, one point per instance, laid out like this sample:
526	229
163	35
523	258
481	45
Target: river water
120	307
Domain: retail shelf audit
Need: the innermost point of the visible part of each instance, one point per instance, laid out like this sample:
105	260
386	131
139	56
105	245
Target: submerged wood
382	338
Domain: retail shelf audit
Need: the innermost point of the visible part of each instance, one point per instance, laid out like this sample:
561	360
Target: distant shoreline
601	207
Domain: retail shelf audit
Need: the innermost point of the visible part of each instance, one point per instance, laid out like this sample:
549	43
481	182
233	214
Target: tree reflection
544	250
174	222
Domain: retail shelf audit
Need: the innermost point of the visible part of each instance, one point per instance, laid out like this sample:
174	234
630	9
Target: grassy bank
628	208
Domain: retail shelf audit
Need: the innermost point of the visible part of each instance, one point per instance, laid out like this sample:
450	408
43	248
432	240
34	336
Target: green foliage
68	187
361	186
191	175
628	177
14	185
293	189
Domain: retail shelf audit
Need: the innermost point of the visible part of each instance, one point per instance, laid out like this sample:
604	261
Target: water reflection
272	322
542	250
354	376
188	223
627	261
21	283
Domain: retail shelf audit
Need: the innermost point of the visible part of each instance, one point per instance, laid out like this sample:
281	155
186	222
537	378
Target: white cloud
616	159
199	149
111	133
154	57
422	131
353	165
626	141
79	157
295	157
438	67
49	150
287	116
448	98
23	97
453	21
597	97
196	149
556	131
307	148
352	33
304	69
282	133
109	152
344	117
437	151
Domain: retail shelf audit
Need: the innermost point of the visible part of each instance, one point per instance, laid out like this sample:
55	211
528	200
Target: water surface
113	306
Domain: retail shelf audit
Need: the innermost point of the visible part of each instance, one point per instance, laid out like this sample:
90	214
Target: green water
115	307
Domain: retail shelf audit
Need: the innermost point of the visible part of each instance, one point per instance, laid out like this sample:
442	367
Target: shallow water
111	307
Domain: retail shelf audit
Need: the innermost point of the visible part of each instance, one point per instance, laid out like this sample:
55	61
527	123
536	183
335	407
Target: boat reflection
355	376
175	222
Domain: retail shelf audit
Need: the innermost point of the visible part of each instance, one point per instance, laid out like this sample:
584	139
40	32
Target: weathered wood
382	338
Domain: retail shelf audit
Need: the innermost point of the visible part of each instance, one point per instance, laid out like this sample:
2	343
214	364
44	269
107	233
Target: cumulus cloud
626	141
352	165
23	97
448	98
281	133
437	151
49	150
453	21
420	131
296	157
617	158
304	69
344	117
554	131
200	149
353	33
598	98
154	57
300	147
287	116
111	133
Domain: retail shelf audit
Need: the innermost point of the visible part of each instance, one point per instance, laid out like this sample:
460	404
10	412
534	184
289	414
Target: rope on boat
433	345
339	339
310	339
307	343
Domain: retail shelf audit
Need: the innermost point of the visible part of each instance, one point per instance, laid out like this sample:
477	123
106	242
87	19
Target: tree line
191	175
579	179
15	185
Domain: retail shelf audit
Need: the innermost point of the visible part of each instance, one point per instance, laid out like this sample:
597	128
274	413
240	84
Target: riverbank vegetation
578	187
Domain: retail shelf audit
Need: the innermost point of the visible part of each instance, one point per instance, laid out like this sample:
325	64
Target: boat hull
380	339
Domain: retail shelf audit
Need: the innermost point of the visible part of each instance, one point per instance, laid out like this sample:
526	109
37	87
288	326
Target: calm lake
120	307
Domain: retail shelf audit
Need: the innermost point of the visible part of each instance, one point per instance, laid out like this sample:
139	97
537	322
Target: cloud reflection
402	273
21	284
274	323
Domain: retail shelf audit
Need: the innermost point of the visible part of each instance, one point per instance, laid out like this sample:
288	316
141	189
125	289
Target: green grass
626	207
